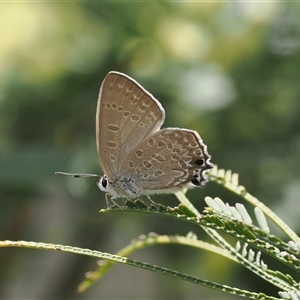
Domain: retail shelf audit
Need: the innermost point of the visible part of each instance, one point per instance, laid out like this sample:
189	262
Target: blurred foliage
229	70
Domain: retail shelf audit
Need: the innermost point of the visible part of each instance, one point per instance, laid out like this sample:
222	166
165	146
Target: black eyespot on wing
195	181
199	162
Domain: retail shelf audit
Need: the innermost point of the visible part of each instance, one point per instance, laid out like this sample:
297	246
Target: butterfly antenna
76	175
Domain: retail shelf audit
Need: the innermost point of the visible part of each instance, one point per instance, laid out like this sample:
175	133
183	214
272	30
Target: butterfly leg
153	203
110	201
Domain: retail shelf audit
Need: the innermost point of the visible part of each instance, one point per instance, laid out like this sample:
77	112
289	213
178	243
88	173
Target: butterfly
136	155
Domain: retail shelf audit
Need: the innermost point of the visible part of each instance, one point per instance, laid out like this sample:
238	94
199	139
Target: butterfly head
106	186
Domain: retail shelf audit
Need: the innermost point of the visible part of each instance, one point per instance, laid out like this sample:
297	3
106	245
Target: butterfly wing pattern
126	115
137	156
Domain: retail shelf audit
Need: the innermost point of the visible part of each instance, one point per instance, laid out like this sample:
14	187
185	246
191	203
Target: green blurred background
229	70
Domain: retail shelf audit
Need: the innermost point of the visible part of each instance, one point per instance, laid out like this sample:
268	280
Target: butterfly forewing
168	160
126	115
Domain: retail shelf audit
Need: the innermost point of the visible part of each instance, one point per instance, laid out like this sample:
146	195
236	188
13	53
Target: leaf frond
151	239
290	295
230	181
138	264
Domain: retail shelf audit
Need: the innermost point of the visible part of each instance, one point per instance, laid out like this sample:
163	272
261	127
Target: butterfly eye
103	184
